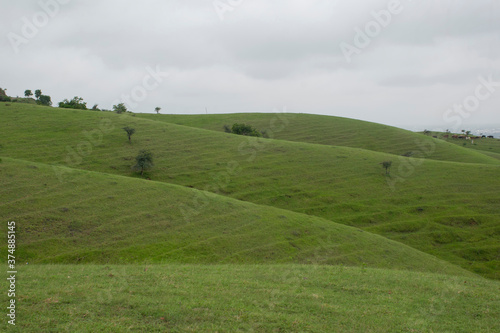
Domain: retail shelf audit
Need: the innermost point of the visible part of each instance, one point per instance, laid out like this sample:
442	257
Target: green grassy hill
98	218
334	131
446	209
251	298
487	146
230	233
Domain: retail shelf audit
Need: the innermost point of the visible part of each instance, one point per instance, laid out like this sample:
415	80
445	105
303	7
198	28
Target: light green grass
446	209
250	298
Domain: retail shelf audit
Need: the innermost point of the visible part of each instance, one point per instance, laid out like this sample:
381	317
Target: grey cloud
263	55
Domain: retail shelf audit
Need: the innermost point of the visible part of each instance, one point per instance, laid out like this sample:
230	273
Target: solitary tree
387	166
28	93
38	93
144	161
129	131
120	108
157	109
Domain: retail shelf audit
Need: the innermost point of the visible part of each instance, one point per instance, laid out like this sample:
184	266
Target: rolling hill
99	218
333	131
300	233
447	209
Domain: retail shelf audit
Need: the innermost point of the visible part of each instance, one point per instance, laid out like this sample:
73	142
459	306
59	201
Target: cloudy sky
405	63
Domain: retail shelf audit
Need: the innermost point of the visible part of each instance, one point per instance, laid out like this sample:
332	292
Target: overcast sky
403	63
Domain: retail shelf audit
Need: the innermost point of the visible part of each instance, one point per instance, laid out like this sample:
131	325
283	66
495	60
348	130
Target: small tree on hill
129	131
120	108
386	165
144	161
157	109
38	93
28	93
44	100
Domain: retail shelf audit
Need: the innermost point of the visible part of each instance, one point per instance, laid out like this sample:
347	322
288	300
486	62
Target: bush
120	108
242	129
75	103
45	100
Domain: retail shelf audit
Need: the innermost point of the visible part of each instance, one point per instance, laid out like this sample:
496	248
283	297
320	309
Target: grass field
309	211
252	298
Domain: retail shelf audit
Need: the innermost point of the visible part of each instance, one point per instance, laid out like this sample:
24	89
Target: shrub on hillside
120	108
243	129
75	103
44	100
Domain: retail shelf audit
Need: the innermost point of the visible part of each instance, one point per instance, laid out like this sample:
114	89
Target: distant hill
334	131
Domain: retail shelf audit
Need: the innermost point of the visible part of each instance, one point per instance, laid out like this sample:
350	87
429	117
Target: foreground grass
250	298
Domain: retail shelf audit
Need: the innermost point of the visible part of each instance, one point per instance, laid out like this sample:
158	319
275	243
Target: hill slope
100	218
446	209
334	131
